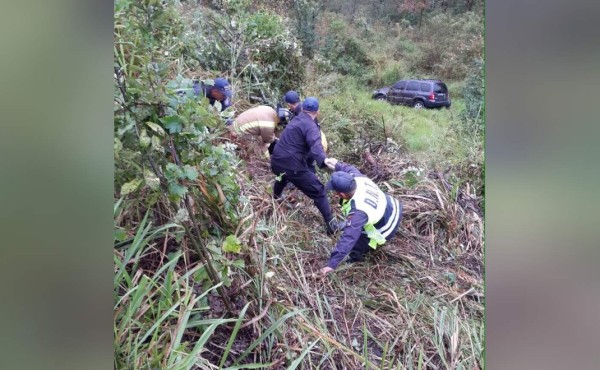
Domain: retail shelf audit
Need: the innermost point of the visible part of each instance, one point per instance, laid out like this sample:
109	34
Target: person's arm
313	139
225	104
354	227
345	167
267	134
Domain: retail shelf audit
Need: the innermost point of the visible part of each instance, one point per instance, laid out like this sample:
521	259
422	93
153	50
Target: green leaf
186	82
172	123
232	244
157	145
226	281
217	105
120	234
177	190
173	172
189	172
151	179
156	128
144	139
172	167
172	84
125	129
130	187
201	275
181	216
239	264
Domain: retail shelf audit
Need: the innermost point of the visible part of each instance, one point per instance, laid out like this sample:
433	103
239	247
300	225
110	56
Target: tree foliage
167	160
254	46
473	94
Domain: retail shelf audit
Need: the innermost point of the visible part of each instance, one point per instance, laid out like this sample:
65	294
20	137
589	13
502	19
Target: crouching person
373	217
260	124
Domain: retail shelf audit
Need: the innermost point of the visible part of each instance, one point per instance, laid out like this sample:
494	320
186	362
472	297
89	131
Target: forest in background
211	273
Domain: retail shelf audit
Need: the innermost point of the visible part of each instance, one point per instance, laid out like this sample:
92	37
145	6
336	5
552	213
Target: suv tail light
432	97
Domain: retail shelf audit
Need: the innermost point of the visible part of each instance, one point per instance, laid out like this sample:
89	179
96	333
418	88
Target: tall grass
415	304
162	317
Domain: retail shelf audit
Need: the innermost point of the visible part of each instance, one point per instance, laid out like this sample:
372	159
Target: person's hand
326	270
330	163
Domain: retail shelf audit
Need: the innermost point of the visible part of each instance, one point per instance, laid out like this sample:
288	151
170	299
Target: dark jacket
201	88
300	139
357	220
297	110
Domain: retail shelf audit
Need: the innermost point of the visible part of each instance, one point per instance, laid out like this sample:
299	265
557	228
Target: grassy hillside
211	273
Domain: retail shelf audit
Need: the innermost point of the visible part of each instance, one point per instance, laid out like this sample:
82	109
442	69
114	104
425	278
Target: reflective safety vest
383	212
258	121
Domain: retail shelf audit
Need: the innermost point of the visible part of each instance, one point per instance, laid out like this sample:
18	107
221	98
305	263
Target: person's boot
355	257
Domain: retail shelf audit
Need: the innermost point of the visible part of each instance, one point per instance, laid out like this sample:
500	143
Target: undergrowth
211	273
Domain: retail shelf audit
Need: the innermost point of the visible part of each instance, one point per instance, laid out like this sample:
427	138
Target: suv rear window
425	87
440	87
400	85
412	85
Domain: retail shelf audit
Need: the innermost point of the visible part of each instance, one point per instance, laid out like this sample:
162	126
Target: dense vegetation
210	272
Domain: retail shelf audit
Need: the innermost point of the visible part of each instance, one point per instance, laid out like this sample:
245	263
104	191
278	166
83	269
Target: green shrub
347	53
404	48
448	45
473	93
257	47
306	12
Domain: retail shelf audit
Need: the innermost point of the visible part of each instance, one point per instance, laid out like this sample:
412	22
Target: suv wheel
418	104
380	98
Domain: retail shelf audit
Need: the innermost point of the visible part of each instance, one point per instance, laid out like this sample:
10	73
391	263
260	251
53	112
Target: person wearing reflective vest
373	217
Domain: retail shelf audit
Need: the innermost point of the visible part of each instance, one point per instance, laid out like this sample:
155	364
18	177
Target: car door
410	92
395	93
441	91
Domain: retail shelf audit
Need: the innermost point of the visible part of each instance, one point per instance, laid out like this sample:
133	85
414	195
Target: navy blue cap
310	104
291	97
223	85
342	182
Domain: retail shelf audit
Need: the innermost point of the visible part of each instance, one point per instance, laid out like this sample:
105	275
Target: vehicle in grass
416	93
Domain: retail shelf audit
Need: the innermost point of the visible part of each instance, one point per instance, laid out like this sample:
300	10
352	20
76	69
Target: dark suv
416	93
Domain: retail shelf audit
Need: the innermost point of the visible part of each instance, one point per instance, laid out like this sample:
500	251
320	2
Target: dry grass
415	303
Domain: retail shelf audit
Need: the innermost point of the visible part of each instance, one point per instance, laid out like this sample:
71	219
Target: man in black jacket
219	91
301	139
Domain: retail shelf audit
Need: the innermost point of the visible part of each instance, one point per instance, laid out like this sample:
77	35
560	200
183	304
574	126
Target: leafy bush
167	163
386	72
256	47
473	93
347	53
306	12
404	48
448	44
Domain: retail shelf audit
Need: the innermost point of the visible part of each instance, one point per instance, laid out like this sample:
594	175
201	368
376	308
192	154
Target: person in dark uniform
300	139
292	100
373	217
219	91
